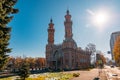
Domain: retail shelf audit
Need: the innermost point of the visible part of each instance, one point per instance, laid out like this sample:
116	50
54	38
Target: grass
53	76
9	78
47	76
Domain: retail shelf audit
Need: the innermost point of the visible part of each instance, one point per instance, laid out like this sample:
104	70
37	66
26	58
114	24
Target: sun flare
100	19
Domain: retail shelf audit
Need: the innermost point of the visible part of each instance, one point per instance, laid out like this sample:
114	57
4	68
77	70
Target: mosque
66	55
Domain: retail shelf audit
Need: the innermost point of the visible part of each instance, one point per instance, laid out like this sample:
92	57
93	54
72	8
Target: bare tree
91	48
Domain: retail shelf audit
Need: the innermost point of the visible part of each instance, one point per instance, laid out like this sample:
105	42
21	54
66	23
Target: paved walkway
89	75
103	75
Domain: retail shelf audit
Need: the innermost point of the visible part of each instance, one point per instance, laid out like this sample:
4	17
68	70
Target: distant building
114	35
66	55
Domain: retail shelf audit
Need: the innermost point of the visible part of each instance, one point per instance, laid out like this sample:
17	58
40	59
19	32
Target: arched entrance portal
58	60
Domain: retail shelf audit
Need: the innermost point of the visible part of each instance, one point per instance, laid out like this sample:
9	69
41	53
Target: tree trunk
24	78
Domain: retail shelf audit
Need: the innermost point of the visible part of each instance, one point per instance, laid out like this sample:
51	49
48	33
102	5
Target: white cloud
90	12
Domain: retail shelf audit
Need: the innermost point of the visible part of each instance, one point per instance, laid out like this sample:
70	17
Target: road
112	73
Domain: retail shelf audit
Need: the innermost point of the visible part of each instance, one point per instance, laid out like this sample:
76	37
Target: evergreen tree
6	11
24	71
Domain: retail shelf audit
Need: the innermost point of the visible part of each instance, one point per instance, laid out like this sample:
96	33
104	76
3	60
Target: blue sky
29	26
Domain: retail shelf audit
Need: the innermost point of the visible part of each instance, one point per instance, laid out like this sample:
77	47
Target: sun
100	19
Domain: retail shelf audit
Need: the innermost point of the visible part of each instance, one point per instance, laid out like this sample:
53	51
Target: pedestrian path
102	75
90	75
86	75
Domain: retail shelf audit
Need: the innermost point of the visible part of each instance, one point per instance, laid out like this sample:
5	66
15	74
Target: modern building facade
65	55
113	38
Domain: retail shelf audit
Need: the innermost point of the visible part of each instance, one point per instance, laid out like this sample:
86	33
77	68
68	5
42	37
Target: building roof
117	32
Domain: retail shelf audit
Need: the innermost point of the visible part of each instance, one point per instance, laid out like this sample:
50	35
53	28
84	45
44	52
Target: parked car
112	66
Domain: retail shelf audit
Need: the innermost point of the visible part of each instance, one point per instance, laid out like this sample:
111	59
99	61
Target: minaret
51	31
68	26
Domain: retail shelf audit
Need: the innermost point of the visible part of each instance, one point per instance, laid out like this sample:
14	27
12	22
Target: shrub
24	71
76	74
